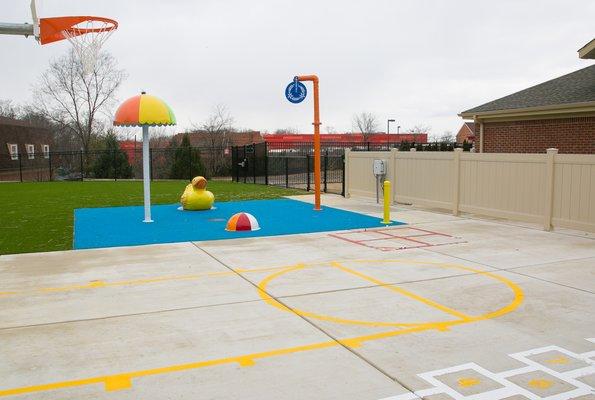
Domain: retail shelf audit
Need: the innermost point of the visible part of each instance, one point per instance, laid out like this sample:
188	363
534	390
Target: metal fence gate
255	163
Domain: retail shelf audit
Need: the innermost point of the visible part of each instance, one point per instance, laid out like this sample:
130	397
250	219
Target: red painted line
345	239
432	232
417	241
392	234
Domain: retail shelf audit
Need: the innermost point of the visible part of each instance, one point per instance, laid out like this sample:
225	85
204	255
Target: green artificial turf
39	216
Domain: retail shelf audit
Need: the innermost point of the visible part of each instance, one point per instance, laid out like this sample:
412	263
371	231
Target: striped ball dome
242	222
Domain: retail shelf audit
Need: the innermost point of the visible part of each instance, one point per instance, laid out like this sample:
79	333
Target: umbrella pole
146	174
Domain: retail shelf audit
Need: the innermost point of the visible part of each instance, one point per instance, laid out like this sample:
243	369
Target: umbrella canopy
144	110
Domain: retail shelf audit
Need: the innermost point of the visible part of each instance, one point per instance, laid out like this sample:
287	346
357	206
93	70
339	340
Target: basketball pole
316	123
146	174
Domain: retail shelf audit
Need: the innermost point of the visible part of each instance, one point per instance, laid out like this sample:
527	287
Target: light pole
388	121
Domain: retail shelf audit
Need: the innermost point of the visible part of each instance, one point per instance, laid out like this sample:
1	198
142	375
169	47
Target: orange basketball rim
59	28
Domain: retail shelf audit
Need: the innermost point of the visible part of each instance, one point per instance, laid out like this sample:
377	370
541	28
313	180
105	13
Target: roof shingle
575	87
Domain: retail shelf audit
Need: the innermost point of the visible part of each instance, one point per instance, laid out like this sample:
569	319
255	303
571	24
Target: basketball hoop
86	34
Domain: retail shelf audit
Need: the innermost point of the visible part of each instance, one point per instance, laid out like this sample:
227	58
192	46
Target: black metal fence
257	163
105	164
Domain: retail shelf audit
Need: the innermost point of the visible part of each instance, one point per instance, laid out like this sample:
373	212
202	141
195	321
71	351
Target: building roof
470	126
19	122
575	87
587	51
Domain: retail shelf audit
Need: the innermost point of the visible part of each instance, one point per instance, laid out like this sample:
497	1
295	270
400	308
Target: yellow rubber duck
196	197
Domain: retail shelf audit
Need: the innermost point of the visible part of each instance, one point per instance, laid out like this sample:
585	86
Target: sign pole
316	123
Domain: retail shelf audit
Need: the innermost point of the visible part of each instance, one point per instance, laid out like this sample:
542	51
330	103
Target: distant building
558	113
466	133
131	148
203	139
278	141
25	140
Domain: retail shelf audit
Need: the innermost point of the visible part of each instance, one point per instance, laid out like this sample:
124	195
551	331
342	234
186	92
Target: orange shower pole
316	124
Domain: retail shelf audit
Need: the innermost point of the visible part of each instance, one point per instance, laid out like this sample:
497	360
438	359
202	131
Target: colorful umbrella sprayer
145	110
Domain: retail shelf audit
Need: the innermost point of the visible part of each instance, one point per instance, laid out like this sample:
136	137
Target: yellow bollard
386	188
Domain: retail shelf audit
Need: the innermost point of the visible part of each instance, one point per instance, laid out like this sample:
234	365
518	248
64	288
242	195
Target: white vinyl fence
551	189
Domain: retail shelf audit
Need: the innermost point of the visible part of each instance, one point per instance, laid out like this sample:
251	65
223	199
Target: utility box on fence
379	167
379	170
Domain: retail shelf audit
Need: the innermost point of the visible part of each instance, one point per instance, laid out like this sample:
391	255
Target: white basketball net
87	44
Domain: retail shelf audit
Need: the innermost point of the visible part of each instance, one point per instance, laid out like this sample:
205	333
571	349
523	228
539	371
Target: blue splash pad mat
123	226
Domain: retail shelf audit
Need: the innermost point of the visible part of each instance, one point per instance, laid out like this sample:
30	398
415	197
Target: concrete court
482	309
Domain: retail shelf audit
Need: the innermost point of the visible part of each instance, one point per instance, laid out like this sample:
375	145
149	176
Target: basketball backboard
85	33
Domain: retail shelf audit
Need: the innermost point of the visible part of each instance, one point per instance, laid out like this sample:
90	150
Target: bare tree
285	131
217	129
9	109
419	129
366	123
160	138
447	137
74	100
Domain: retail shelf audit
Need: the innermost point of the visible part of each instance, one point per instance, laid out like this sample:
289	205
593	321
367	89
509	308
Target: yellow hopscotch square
558	361
541	383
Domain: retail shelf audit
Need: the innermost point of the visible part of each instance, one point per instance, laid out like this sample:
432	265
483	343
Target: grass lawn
39	216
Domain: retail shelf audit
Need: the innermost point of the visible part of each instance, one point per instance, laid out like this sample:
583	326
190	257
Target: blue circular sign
296	92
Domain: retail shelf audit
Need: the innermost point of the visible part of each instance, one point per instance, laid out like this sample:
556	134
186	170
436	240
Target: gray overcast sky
421	62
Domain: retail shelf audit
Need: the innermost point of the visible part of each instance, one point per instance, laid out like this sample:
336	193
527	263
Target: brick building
21	139
558	113
466	133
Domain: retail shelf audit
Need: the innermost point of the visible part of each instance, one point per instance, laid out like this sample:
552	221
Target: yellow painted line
439	325
123	380
262	292
404	292
99	284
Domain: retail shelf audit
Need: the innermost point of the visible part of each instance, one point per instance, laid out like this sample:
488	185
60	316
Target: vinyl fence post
50	164
346	173
457	181
286	171
20	166
325	169
549	188
307	172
